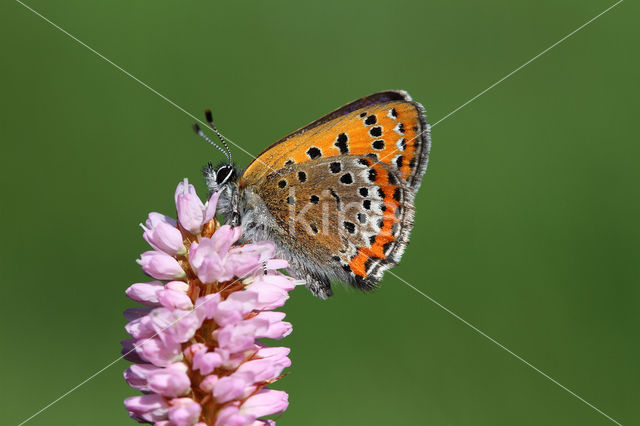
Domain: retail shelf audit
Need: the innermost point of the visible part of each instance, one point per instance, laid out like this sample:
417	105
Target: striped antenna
200	133
209	116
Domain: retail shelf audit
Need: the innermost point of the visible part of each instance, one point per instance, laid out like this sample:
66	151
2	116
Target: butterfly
337	195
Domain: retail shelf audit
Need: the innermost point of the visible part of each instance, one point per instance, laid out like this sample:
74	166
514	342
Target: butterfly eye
223	174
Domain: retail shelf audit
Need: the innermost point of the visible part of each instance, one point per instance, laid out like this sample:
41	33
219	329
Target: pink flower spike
161	233
196	348
266	402
160	266
184	412
145	293
150	408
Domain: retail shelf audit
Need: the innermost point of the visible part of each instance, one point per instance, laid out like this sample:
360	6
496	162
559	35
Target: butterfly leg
318	286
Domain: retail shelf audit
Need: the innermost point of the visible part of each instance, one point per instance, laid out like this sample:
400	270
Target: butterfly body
335	196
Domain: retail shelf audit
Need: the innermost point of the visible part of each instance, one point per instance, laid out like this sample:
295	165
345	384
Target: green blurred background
526	226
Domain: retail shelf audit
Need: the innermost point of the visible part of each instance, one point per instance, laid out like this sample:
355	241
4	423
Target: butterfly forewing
392	132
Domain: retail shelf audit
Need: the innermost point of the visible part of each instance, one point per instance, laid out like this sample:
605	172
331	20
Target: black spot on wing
314	152
378	144
346	179
342	143
397	194
370	120
349	226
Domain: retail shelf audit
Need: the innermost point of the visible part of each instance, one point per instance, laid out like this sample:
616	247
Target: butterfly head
218	178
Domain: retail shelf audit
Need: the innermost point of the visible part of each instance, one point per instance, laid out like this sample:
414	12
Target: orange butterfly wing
390	130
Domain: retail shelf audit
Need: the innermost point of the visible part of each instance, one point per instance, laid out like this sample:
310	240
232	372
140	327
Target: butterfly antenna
200	133
209	116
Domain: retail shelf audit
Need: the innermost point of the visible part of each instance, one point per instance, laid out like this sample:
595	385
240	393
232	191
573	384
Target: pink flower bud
206	306
212	260
184	412
278	352
241	336
174	299
277	328
129	351
174	325
261	422
160	265
231	416
161	233
208	383
269	296
136	376
180	286
158	352
232	387
235	307
171	381
150	408
265	368
192	214
265	402
140	328
145	293
206	361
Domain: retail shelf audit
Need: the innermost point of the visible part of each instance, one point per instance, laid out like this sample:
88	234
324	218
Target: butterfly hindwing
346	212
